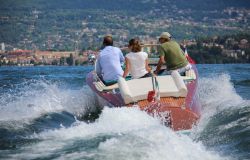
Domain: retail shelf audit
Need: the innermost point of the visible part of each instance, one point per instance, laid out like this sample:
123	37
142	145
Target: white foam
42	97
218	91
108	123
133	135
215	94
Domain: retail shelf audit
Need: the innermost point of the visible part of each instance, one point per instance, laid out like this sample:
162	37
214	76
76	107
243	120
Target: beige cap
165	35
108	35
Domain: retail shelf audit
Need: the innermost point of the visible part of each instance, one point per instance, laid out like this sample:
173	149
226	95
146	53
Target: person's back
137	63
110	60
173	55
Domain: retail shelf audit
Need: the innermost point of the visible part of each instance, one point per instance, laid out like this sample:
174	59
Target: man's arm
122	59
161	60
127	67
98	68
160	63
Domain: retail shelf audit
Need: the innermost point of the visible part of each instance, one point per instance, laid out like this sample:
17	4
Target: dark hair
135	45
107	41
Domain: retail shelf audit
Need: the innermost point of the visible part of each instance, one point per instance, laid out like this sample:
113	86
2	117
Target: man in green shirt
171	54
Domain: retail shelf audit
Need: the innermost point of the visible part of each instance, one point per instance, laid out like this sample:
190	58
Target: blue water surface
48	112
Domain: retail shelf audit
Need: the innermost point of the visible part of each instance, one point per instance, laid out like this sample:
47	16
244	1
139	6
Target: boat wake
225	120
48	122
36	98
119	132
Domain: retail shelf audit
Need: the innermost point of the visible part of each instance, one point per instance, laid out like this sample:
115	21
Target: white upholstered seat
137	89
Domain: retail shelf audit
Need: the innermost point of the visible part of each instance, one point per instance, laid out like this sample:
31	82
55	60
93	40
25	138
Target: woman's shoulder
144	54
129	54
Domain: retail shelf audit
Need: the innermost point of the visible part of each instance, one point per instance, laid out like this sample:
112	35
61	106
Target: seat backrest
137	89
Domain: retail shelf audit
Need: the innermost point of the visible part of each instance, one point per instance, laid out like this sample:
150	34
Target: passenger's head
164	37
108	40
134	45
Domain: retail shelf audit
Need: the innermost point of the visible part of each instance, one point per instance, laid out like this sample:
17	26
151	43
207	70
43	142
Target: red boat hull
177	113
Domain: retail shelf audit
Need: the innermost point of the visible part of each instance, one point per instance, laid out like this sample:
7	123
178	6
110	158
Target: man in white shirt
109	61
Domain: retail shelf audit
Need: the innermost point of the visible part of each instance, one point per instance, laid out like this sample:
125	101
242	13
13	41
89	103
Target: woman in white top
136	61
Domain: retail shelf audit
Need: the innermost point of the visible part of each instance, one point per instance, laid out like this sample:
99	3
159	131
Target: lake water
50	113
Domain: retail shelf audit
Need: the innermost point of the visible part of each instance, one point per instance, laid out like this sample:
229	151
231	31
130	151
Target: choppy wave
119	133
42	120
242	68
225	120
245	82
33	99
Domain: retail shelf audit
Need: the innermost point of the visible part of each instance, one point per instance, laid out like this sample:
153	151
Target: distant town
232	49
40	33
62	33
30	58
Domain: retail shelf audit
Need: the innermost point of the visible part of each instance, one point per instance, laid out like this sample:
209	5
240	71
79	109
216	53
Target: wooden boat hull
177	113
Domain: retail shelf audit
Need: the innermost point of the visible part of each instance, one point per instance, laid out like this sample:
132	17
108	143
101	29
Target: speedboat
170	97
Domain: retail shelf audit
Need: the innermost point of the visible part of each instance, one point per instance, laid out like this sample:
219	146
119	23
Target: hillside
221	49
80	24
128	5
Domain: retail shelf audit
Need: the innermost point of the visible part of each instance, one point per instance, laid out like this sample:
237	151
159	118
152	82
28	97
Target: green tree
32	61
62	61
70	60
77	62
54	62
215	50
